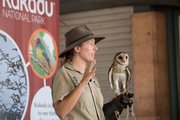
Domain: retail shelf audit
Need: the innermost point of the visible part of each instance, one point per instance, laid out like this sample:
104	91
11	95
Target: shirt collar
70	66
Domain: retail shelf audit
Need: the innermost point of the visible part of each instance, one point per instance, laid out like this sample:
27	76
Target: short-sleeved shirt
89	105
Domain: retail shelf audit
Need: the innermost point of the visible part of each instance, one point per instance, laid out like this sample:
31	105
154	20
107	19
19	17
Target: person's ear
77	49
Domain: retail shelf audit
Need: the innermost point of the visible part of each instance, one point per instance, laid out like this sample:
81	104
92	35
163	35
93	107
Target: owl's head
122	58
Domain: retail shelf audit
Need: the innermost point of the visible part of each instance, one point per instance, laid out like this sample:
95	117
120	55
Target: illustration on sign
14	82
43	53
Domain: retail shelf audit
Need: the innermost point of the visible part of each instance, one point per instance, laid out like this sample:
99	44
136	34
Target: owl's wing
128	75
110	76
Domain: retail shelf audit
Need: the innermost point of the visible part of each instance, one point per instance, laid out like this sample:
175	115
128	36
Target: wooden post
150	72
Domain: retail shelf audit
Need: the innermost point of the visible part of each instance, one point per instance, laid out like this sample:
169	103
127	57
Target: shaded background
115	19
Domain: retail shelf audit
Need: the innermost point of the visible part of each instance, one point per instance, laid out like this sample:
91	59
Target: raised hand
89	72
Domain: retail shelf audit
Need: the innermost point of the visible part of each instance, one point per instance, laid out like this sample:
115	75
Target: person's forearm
66	105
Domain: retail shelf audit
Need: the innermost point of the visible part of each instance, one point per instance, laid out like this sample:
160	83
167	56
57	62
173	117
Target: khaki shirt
89	106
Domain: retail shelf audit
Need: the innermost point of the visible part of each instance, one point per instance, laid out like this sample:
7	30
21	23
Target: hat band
78	39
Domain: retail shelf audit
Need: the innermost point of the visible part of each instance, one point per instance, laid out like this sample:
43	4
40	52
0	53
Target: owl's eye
120	57
126	57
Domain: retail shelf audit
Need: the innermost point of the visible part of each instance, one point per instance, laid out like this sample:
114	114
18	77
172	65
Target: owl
119	74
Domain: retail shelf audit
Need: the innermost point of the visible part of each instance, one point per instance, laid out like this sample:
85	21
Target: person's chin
94	58
90	60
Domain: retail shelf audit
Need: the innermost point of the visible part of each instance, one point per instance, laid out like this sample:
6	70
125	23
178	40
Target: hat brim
97	39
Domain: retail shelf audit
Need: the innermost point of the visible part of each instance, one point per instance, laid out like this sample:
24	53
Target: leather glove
125	99
117	104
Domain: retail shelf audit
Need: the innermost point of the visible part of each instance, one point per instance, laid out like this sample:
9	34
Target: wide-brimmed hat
78	35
